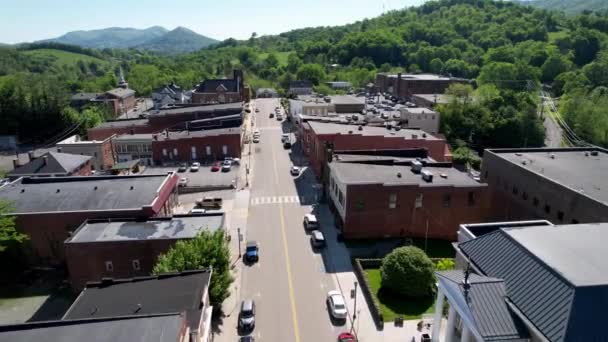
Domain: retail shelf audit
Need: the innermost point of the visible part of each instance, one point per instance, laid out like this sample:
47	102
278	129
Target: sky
31	20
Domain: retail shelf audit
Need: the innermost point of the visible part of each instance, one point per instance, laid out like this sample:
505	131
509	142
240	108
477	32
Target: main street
289	283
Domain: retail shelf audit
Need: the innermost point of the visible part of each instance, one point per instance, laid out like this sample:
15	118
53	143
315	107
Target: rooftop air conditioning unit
416	166
427	175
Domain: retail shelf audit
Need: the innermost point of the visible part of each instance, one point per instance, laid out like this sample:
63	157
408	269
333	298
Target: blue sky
29	20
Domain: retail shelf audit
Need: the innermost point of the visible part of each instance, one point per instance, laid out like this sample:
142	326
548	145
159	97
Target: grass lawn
392	306
62	58
434	248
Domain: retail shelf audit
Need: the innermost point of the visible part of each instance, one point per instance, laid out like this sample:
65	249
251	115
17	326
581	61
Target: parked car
256	139
236	161
226	165
310	222
182	167
247	338
4	181
336	305
252	251
287	145
271	115
256	133
279	117
209	202
195	166
284	137
317	239
295	171
346	337
216	166
182	182
247	315
257	110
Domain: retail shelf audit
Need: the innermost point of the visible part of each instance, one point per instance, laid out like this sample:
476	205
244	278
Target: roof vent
131	187
414	136
22	190
595	153
424	135
552	155
427	175
58	190
350	132
95	188
443	175
137	309
398	174
360	127
523	162
416	166
518	154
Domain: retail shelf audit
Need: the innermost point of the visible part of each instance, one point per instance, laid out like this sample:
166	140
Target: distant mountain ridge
155	38
568	6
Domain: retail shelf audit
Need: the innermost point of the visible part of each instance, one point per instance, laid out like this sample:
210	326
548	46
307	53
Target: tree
465	156
293	63
436	66
409	272
9	236
445	264
271	61
311	72
208	250
553	66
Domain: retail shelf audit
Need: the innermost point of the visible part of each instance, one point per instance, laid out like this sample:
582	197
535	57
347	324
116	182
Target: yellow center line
294	315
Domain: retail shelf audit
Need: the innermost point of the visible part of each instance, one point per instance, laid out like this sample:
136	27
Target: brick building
561	185
372	200
100	151
52	164
48	209
118	127
126	248
316	136
222	90
300	87
405	85
129	147
205	145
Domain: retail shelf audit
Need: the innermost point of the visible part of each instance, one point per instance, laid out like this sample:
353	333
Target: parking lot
203	178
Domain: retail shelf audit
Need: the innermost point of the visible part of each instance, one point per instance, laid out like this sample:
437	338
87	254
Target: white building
134	146
420	117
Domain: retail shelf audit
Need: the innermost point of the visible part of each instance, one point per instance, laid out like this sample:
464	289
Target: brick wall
107	155
102	133
184	148
215	97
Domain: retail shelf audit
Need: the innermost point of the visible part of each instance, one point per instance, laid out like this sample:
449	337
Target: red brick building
48	209
316	135
120	127
53	164
110	248
187	146
405	85
222	90
379	201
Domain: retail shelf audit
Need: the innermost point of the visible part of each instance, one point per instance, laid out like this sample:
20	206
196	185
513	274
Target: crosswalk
276	200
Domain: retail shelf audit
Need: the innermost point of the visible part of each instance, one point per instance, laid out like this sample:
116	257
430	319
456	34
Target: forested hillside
508	49
569	6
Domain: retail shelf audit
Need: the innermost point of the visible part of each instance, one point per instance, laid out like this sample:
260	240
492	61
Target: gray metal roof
178	227
29	195
121	92
354	129
56	164
165	293
553	274
158	328
484	304
121	123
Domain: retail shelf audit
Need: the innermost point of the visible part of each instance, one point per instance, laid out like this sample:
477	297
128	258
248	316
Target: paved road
289	283
553	132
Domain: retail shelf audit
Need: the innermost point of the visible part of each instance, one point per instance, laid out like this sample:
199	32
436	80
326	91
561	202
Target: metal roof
55	163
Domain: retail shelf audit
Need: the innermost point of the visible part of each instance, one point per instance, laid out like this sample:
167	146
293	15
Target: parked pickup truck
209	203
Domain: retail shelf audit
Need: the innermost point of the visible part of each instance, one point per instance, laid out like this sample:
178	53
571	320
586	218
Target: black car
287	145
247	339
247	315
182	167
252	251
271	115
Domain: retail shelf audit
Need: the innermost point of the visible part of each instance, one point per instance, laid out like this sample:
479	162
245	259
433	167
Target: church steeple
122	83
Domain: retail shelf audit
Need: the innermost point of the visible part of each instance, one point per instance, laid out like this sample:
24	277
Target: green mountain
154	38
568	6
180	40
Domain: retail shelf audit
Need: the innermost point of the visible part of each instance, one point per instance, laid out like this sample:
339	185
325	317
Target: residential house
53	164
228	90
169	94
101	151
301	87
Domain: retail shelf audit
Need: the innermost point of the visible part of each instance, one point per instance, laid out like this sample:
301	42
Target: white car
195	166
310	222
183	182
284	137
336	305
295	171
256	139
256	133
226	165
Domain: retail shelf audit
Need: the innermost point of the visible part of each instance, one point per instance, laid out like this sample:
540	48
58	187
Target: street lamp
354	295
238	230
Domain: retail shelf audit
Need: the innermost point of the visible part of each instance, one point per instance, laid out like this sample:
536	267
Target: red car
347	337
216	166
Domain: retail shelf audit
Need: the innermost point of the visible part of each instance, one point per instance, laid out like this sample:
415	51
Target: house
118	100
100	151
170	327
378	197
420	118
266	93
339	85
301	87
49	209
202	145
163	294
125	248
133	147
80	100
53	164
561	185
222	90
405	85
169	94
536	283
317	136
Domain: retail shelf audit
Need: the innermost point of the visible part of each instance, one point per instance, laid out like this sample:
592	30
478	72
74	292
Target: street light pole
238	230
352	328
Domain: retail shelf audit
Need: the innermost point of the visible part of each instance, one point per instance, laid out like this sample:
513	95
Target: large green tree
409	272
311	72
9	236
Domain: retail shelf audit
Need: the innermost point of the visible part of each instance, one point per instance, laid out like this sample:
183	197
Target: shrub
408	271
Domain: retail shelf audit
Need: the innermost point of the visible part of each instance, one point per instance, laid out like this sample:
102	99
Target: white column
466	334
438	312
450	329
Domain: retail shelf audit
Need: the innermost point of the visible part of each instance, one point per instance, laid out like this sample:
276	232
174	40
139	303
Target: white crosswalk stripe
276	200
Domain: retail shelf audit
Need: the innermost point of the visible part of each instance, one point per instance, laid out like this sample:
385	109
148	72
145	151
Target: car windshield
339	306
251	248
247	313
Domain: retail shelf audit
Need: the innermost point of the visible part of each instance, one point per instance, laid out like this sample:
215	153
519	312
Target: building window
506	185
486	174
574	221
109	266
560	215
193	151
360	204
136	265
419	198
515	190
224	149
535	201
471	199
95	154
175	152
524	196
447	200
208	150
341	198
547	208
164	152
392	201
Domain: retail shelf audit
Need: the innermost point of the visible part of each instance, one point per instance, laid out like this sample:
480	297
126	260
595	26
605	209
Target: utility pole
354	294
238	230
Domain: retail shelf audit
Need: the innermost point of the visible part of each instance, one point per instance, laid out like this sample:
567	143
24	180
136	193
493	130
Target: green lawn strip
392	305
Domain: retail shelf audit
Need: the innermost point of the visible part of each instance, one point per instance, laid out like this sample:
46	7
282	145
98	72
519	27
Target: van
284	137
209	202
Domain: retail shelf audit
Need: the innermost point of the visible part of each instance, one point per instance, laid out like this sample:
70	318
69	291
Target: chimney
16	163
131	131
45	160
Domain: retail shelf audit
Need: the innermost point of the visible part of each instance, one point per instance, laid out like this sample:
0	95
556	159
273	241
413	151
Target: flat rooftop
178	227
576	251
58	194
176	135
128	137
355	173
422	77
574	168
122	123
335	128
346	100
418	110
436	98
236	106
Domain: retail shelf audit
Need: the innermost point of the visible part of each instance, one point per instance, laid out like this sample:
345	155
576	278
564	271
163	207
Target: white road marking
276	200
